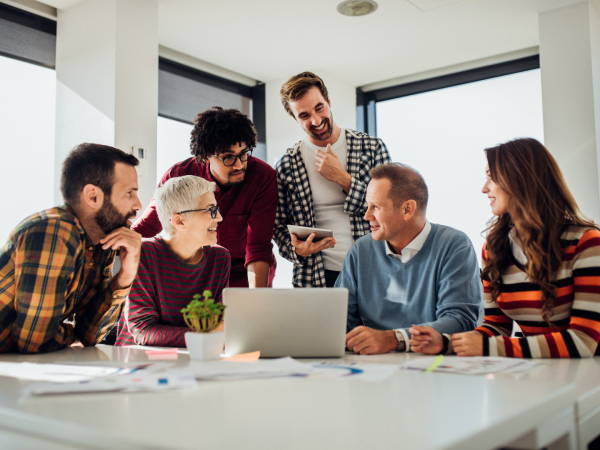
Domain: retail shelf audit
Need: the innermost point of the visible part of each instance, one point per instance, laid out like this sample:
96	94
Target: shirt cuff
117	294
402	336
265	256
450	349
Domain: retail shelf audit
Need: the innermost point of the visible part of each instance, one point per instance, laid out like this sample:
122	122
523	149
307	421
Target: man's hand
308	247
468	344
367	341
129	243
330	168
425	340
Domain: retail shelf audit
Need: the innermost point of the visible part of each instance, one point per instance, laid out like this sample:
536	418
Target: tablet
302	233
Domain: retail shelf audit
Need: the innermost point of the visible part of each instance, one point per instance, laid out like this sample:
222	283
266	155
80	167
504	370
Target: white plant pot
205	346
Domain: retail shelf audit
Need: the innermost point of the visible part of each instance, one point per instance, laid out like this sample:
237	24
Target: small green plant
203	316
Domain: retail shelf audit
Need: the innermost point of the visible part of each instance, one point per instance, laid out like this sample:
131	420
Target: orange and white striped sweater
575	329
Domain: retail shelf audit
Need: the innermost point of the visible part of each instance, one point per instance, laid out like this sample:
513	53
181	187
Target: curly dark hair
217	129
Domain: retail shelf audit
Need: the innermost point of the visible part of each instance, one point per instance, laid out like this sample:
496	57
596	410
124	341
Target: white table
585	375
409	410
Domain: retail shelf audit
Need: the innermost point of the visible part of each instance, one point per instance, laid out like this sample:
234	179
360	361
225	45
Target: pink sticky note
162	356
167	351
244	357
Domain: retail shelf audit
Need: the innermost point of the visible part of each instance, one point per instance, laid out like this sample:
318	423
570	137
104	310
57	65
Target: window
442	133
183	92
27	93
173	144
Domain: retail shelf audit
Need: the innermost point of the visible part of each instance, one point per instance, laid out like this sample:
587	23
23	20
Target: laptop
302	323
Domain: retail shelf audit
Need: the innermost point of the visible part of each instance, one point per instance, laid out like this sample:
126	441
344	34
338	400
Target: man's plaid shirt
295	201
50	271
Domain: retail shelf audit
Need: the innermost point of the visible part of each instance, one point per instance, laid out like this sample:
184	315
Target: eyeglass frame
247	152
214	210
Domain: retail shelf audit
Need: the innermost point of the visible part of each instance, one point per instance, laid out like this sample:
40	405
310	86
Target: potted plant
203	317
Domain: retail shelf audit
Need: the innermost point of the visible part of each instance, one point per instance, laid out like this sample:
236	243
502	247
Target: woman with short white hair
173	268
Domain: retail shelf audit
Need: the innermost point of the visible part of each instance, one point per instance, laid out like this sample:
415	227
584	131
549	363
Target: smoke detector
355	8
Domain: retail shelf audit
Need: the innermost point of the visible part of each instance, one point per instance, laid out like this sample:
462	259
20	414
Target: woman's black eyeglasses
213	211
230	160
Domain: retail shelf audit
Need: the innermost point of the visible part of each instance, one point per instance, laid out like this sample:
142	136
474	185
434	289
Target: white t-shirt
328	201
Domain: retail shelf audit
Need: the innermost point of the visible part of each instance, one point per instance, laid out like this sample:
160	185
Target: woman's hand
425	340
468	344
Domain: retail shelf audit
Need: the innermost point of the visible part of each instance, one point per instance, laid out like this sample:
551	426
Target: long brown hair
540	207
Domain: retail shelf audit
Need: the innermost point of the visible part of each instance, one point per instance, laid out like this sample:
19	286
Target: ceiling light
357	7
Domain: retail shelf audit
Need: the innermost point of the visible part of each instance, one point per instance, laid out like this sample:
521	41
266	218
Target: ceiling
273	39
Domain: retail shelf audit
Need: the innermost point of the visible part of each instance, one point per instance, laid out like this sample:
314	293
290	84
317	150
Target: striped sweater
163	286
576	321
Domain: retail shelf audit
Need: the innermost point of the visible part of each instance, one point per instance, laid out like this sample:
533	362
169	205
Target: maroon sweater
248	212
163	286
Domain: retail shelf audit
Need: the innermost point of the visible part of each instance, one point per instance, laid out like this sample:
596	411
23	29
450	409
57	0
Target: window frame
29	20
366	101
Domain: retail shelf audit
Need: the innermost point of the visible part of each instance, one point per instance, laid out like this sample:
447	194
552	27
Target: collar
516	246
416	244
296	148
88	241
341	140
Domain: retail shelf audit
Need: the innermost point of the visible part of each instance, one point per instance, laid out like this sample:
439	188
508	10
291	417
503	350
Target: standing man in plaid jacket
322	183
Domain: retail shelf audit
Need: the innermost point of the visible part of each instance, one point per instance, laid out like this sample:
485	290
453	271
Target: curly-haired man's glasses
230	160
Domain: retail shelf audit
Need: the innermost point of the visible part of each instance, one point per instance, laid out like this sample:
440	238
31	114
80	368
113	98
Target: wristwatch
402	341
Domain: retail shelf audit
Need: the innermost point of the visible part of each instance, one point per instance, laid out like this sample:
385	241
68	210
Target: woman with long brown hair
541	265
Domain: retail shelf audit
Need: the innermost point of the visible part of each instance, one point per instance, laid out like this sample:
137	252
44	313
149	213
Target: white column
107	81
570	66
283	131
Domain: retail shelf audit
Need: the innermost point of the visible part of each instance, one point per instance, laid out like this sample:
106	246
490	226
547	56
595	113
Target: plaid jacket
50	271
295	201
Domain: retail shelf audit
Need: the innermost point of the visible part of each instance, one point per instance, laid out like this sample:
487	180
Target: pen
436	362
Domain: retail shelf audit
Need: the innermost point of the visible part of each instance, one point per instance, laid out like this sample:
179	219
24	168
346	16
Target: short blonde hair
179	194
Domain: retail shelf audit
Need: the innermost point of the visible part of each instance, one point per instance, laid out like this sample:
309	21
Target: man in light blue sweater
408	270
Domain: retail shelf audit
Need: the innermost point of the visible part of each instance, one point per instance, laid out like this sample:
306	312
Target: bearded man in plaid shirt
56	285
322	183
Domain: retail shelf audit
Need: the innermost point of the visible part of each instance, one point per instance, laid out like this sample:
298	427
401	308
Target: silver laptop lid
286	322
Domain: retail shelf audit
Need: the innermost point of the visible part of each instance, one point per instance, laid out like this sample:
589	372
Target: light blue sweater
439	286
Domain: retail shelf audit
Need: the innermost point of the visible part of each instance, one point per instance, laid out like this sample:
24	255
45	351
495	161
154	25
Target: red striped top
163	286
575	329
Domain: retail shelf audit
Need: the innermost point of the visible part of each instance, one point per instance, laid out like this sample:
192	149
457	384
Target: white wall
570	63
85	73
136	86
107	80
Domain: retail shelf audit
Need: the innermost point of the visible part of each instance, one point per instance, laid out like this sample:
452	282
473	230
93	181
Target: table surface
409	410
584	373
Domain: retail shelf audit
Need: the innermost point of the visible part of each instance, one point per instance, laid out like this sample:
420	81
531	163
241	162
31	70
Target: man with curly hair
221	145
322	183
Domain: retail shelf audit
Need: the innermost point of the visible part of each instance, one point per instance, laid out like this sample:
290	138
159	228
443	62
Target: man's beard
326	132
236	182
109	218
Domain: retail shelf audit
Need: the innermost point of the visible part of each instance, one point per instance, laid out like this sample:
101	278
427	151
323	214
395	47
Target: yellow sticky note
244	357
